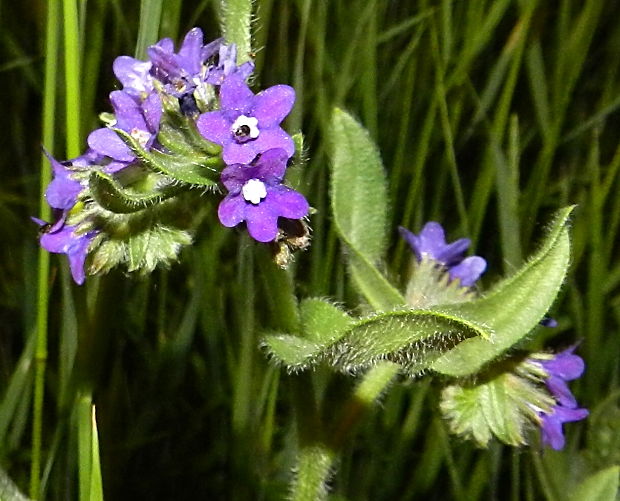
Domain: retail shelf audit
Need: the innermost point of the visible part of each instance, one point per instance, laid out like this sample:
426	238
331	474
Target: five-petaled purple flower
563	367
247	124
258	197
431	244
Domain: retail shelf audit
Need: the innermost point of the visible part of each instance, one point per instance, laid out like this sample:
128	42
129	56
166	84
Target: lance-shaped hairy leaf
359	205
411	338
514	307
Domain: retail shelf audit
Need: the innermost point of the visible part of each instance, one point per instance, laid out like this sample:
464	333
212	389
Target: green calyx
145	213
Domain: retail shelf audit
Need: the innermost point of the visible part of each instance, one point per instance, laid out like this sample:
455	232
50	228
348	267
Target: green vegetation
489	116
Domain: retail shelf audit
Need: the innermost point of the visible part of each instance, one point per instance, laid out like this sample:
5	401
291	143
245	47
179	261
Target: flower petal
235	95
559	389
152	109
190	53
271	165
287	202
213	126
271	139
133	74
235	153
231	210
273	104
128	113
106	142
468	270
262	223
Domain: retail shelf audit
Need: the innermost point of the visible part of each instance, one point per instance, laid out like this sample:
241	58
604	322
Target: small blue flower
431	244
247	124
139	119
560	368
62	238
257	196
182	71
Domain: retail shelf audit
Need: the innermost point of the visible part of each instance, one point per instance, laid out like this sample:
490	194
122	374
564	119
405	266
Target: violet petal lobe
273	104
565	364
129	114
274	138
262	220
106	142
190	53
65	241
133	74
288	202
272	164
234	153
469	270
62	192
559	389
551	425
152	109
214	126
235	96
231	210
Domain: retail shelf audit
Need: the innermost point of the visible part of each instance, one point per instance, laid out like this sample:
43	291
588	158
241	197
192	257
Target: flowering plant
187	129
185	124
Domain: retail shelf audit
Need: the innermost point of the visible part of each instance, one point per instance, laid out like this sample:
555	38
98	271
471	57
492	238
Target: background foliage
489	115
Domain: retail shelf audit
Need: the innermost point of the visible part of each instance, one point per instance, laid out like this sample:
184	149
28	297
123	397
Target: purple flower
63	191
431	244
227	65
563	367
248	124
140	119
62	239
257	196
180	72
551	424
134	75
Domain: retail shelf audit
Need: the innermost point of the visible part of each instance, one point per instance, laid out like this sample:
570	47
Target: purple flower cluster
256	150
211	88
562	367
430	243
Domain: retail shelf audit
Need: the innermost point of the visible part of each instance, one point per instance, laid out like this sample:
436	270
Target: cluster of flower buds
533	388
185	124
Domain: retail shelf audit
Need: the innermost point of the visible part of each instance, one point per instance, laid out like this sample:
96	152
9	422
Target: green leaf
295	352
600	486
359	205
411	338
514	307
321	321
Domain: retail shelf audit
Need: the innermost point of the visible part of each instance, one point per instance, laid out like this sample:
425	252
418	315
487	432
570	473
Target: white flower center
254	191
245	128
